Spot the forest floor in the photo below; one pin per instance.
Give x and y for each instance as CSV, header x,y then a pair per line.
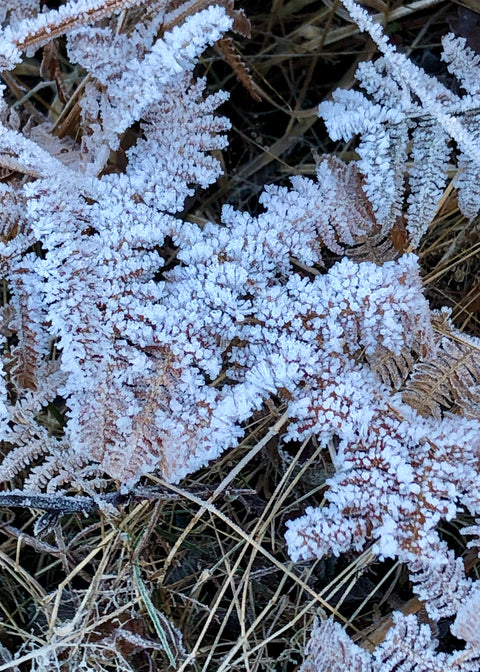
x,y
220,573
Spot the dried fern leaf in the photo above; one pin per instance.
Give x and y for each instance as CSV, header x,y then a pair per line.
x,y
348,213
392,369
376,248
229,52
449,380
26,358
29,449
50,69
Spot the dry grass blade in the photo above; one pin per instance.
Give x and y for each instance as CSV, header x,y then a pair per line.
x,y
249,541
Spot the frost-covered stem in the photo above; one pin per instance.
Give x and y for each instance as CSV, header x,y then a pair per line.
x,y
64,504
425,87
34,33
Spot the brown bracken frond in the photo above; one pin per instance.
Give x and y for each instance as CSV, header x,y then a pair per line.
x,y
228,50
449,379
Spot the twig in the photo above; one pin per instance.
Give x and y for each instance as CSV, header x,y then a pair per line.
x,y
81,504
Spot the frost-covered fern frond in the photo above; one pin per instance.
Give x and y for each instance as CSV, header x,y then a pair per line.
x,y
405,116
408,647
70,320
466,624
16,10
34,32
407,458
444,589
330,649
